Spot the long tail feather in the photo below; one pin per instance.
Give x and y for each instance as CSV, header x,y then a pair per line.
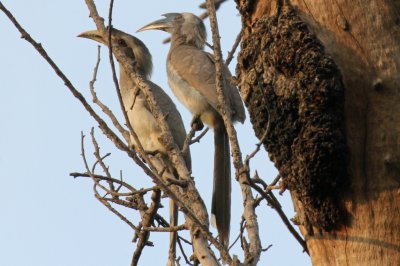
x,y
221,199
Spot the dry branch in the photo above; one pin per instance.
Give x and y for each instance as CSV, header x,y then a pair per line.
x,y
103,107
147,219
253,256
233,50
273,202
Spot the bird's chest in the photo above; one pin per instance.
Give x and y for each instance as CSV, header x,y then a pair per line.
x,y
191,98
142,121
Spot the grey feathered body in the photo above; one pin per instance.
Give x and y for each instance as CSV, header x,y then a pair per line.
x,y
191,76
143,121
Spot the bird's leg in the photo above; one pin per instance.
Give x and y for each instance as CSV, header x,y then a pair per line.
x,y
196,123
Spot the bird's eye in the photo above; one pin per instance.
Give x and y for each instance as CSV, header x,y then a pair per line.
x,y
121,42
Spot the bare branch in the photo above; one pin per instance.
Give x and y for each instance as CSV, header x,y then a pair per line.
x,y
258,145
234,242
113,210
135,202
103,166
267,248
199,137
165,229
120,182
185,240
114,75
97,195
103,107
270,198
183,251
147,220
233,50
188,139
249,213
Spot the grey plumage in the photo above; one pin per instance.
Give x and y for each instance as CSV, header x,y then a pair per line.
x,y
191,76
139,111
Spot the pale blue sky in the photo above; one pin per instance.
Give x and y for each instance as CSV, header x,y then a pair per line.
x,y
48,218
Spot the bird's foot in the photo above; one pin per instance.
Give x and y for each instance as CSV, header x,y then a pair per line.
x,y
196,123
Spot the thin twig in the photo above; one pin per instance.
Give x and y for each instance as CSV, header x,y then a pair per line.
x,y
257,179
234,242
267,248
147,220
188,139
103,107
100,160
97,195
185,240
276,206
112,191
194,127
83,153
243,243
258,145
131,204
231,53
161,221
267,188
200,136
165,229
120,182
183,251
113,210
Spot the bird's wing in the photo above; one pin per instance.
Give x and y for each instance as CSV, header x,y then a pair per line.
x,y
174,119
197,68
234,98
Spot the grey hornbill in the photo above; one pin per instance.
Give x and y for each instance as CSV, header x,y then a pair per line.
x,y
139,113
191,76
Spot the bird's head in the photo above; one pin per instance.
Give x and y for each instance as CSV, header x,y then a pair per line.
x,y
185,28
133,48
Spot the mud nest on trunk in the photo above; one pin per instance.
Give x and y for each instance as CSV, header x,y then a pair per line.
x,y
288,81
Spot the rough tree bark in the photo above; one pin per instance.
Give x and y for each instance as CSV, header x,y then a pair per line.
x,y
340,58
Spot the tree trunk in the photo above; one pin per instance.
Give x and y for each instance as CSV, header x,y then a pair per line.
x,y
354,219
